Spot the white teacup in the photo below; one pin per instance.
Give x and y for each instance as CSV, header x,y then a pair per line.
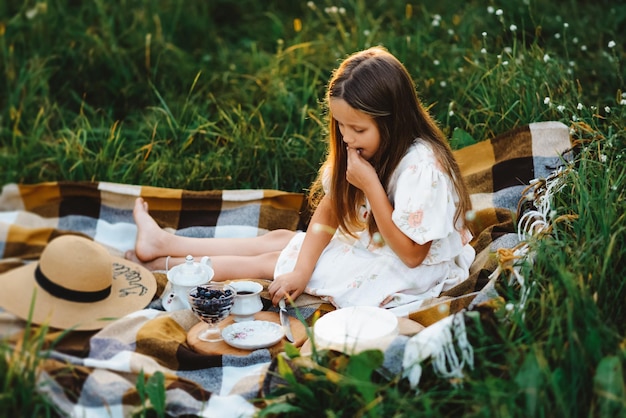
x,y
247,301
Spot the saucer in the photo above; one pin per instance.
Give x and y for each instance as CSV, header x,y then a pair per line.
x,y
251,335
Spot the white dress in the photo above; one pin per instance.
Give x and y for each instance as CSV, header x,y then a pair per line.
x,y
352,272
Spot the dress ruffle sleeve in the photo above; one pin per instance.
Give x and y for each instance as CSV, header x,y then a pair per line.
x,y
423,202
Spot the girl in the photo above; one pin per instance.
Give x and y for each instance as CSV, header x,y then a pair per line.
x,y
388,226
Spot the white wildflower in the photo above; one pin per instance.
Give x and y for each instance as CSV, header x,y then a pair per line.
x,y
607,109
575,39
499,12
565,25
560,108
513,28
557,36
572,63
622,102
310,5
451,113
436,62
490,10
483,51
611,44
583,47
40,7
450,32
508,49
580,106
505,63
366,32
484,34
546,58
342,10
443,83
603,158
546,100
509,306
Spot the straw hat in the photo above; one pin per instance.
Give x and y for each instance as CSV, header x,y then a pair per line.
x,y
76,284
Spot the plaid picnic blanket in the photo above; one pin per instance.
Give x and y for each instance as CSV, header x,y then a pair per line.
x,y
106,364
32,215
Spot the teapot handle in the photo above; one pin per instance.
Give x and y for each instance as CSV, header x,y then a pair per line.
x,y
206,261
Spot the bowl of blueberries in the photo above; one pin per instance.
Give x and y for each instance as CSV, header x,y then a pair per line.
x,y
212,303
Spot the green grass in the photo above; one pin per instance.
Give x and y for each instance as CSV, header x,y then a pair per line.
x,y
205,95
220,94
20,363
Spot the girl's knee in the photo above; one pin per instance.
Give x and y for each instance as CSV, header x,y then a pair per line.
x,y
266,264
280,235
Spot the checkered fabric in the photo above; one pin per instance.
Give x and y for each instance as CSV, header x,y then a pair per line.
x,y
32,215
497,171
105,364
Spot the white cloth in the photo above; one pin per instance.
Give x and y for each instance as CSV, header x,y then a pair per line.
x,y
352,272
446,343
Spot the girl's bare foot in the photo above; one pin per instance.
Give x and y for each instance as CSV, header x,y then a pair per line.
x,y
150,236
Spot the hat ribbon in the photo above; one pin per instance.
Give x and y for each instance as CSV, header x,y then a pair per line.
x,y
68,294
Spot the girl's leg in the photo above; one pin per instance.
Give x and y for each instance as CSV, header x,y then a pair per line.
x,y
260,266
226,267
153,242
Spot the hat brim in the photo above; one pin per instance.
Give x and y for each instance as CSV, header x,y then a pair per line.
x,y
132,289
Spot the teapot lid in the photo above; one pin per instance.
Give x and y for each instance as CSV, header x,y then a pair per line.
x,y
190,273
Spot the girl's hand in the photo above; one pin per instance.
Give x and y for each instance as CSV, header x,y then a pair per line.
x,y
360,172
289,285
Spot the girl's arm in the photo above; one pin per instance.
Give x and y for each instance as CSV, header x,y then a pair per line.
x,y
411,253
361,174
321,229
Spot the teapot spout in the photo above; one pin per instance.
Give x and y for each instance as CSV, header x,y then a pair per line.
x,y
174,302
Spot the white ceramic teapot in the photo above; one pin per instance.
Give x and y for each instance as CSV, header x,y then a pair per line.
x,y
181,279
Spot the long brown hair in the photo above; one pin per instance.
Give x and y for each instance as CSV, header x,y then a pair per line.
x,y
374,82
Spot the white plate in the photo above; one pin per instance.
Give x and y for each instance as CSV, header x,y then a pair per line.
x,y
250,335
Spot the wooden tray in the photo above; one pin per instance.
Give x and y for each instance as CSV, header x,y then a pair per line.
x,y
221,347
